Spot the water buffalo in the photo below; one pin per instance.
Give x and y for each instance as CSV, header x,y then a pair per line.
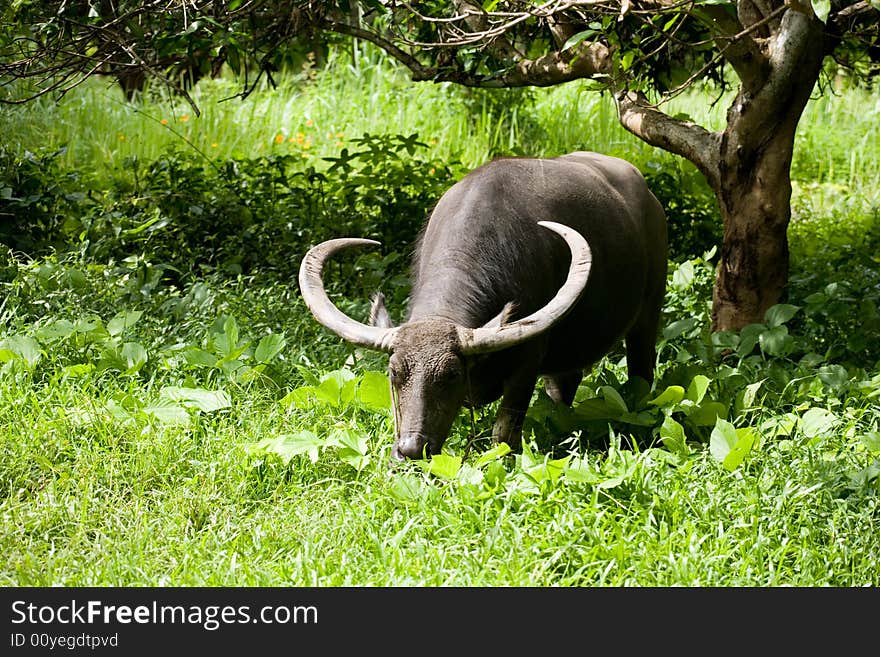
x,y
526,268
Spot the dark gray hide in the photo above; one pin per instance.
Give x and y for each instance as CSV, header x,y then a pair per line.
x,y
483,261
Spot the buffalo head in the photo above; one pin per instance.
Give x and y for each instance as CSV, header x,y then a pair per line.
x,y
429,358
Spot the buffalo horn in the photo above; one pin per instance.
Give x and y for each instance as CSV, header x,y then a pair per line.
x,y
487,339
311,286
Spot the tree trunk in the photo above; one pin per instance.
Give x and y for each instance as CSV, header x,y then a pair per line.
x,y
753,185
755,201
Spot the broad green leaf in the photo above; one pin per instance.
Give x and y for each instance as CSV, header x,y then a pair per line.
x,y
673,437
78,370
669,397
871,440
269,347
641,418
374,391
24,347
134,355
722,440
833,376
817,422
199,357
776,341
675,329
821,9
575,39
123,320
407,488
444,466
292,444
596,409
496,473
613,399
56,330
781,425
468,474
168,414
748,338
199,398
750,393
493,454
683,276
705,414
779,314
730,445
698,387
745,440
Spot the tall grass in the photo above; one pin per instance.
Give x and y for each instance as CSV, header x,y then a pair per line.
x,y
315,113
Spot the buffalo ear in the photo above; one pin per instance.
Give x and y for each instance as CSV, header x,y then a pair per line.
x,y
378,313
503,317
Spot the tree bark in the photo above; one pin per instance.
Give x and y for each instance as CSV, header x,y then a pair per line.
x,y
755,203
753,185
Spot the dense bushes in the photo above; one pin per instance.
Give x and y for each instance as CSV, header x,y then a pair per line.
x,y
189,212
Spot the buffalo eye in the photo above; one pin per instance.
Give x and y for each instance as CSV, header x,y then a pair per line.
x,y
394,373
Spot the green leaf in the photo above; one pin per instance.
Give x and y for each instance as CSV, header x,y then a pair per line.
x,y
750,393
748,338
730,445
199,398
23,347
292,444
673,437
613,399
199,357
493,454
374,391
817,422
168,414
821,8
779,314
269,347
596,409
354,447
56,330
776,341
78,370
444,466
581,470
871,440
575,39
722,440
698,387
675,329
122,321
134,355
706,413
683,277
669,397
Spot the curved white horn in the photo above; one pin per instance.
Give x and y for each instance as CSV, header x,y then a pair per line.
x,y
311,286
483,340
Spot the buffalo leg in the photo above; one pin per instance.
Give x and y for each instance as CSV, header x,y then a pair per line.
x,y
641,346
562,387
514,404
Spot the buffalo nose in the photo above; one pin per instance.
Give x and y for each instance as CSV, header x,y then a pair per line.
x,y
411,446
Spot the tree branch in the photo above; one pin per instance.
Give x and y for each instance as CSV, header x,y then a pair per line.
x,y
684,138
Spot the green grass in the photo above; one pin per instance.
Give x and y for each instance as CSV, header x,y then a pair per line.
x,y
106,479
